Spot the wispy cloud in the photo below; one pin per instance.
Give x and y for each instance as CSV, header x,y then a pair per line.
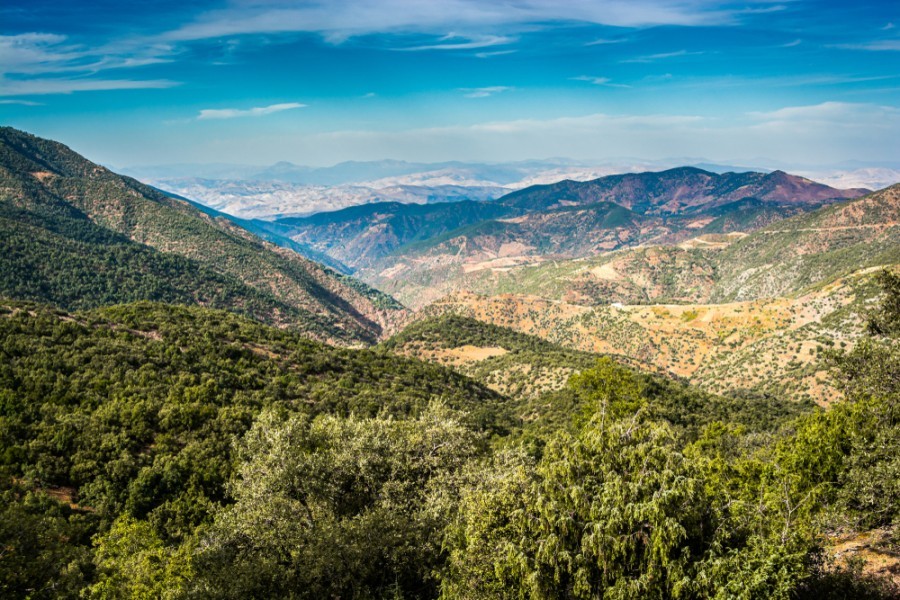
x,y
792,44
338,20
47,63
484,92
449,42
847,114
21,102
29,87
494,53
604,81
605,41
649,58
259,111
875,46
719,82
38,53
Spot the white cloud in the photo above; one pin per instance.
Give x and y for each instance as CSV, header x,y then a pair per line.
x,y
484,92
839,114
21,102
338,20
29,87
604,81
259,111
605,41
875,46
46,63
494,53
448,42
43,53
649,58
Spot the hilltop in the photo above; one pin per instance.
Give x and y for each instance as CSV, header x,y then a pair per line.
x,y
78,235
679,191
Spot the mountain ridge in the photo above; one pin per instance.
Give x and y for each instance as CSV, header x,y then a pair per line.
x,y
46,182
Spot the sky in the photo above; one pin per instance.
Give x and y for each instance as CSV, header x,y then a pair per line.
x,y
319,82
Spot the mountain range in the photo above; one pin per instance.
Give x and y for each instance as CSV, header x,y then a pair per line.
x,y
285,189
681,325
640,266
420,252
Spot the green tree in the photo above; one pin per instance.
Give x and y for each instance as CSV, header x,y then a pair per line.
x,y
132,562
333,507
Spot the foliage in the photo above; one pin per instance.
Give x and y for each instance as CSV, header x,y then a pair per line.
x,y
335,508
161,451
133,562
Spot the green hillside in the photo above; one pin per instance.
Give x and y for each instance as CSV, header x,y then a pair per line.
x,y
86,216
807,250
536,375
155,451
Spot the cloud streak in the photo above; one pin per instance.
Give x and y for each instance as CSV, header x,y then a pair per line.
x,y
36,87
235,113
339,20
472,43
485,92
874,46
650,58
603,81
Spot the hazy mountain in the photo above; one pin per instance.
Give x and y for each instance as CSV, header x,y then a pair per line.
x,y
397,252
78,235
358,234
787,257
678,191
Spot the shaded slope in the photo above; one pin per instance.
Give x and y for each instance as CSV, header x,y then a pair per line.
x,y
360,235
45,179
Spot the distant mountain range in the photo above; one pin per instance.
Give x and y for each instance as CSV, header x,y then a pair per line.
x,y
420,252
286,189
76,235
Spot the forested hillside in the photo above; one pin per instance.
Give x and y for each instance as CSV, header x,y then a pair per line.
x,y
78,235
158,451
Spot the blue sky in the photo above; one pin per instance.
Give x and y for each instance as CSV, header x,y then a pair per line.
x,y
318,82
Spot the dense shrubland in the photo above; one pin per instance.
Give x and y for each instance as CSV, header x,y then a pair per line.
x,y
150,451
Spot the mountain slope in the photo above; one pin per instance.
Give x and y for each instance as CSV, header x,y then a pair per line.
x,y
677,191
88,211
785,257
796,253
362,234
768,346
507,361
